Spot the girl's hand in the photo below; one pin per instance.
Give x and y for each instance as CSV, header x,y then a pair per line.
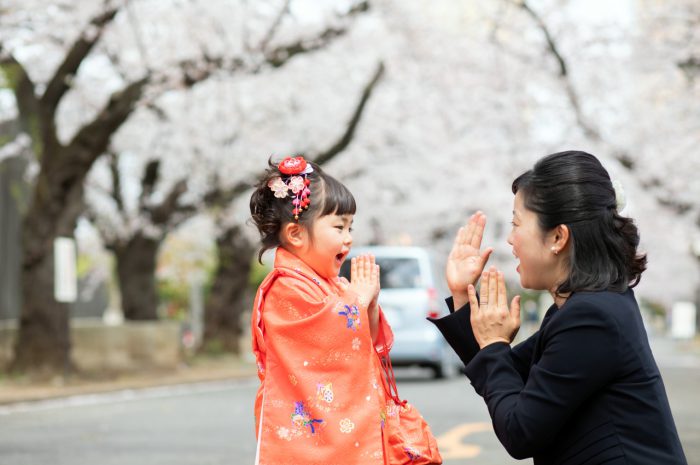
x,y
465,263
364,278
491,319
364,281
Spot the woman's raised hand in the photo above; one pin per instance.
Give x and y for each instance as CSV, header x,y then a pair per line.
x,y
465,262
491,319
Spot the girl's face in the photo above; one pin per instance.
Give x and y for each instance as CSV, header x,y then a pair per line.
x,y
329,244
538,266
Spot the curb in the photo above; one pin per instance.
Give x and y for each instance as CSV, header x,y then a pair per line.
x,y
12,392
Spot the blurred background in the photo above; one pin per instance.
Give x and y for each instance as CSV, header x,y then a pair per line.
x,y
132,130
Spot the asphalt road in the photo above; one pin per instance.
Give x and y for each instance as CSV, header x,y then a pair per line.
x,y
212,424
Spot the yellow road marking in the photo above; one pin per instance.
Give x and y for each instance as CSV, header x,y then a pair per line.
x,y
451,445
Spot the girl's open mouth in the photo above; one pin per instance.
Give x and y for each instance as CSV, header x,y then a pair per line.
x,y
340,257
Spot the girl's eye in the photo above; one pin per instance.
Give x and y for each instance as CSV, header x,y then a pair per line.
x,y
350,230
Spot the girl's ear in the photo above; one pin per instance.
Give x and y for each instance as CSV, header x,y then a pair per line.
x,y
294,235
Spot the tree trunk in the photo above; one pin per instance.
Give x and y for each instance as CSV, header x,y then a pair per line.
x,y
136,269
43,342
43,330
14,195
229,298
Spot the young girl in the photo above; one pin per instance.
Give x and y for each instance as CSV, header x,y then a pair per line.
x,y
317,338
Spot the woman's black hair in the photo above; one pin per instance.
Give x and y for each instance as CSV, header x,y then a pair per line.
x,y
573,189
270,213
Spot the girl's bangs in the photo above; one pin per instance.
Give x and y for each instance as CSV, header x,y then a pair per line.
x,y
338,200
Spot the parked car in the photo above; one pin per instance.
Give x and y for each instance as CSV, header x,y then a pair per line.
x,y
409,293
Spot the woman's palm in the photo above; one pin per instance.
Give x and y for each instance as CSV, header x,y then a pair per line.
x,y
465,262
464,266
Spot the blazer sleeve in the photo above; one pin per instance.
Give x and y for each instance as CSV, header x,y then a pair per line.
x,y
457,331
580,356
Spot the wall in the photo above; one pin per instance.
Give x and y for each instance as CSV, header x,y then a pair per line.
x,y
100,348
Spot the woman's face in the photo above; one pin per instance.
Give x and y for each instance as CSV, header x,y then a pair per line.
x,y
538,266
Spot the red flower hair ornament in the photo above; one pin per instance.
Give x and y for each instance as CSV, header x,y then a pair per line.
x,y
294,171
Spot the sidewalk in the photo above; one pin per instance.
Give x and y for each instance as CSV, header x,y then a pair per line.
x,y
196,371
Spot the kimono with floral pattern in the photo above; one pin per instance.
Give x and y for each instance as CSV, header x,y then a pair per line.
x,y
321,400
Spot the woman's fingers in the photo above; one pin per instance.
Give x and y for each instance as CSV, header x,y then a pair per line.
x,y
493,287
473,302
484,288
461,234
478,233
502,297
485,256
491,319
515,308
466,240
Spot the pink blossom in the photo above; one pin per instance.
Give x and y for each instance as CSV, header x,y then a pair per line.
x,y
296,184
278,187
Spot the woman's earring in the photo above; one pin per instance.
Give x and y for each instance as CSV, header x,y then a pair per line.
x,y
556,252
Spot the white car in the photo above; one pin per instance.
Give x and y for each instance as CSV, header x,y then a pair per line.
x,y
409,294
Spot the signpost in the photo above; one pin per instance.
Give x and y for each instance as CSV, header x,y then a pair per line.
x,y
65,270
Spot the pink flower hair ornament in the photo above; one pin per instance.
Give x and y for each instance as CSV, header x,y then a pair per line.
x,y
293,179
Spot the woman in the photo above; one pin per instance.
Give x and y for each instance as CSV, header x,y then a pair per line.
x,y
584,389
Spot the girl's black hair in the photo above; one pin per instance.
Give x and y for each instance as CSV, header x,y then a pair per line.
x,y
270,213
573,189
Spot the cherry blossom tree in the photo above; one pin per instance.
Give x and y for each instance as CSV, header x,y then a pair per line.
x,y
124,36
135,236
56,202
471,95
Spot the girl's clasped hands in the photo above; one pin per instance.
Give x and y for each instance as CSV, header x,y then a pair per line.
x,y
364,281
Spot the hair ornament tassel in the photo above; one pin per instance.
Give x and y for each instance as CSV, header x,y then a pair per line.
x,y
293,179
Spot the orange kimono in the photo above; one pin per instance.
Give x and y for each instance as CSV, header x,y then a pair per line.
x,y
321,400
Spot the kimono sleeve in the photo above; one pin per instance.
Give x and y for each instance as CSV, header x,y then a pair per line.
x,y
385,341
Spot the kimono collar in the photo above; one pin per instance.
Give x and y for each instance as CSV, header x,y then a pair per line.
x,y
286,259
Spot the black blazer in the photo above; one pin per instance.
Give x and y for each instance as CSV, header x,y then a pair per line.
x,y
584,389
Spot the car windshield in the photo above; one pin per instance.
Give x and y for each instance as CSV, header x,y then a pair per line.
x,y
396,272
